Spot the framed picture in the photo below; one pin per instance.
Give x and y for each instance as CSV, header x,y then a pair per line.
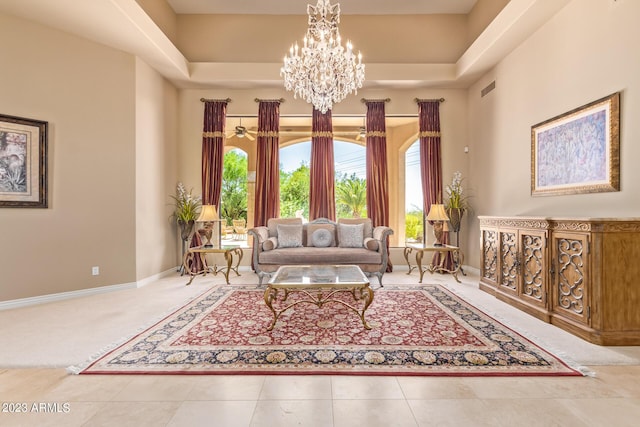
x,y
578,151
23,162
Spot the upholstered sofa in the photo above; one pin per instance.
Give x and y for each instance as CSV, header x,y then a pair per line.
x,y
289,241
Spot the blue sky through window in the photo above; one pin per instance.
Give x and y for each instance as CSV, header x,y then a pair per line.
x,y
349,157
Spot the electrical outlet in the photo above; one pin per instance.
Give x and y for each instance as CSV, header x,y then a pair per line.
x,y
95,271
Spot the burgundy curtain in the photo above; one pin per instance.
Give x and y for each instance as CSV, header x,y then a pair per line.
x,y
377,175
213,151
267,163
430,157
431,160
322,199
196,263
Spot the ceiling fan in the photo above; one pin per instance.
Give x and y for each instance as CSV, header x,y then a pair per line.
x,y
241,132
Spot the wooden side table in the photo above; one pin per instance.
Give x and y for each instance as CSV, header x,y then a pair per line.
x,y
229,253
420,249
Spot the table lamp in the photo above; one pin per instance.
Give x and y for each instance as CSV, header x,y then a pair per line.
x,y
208,215
438,215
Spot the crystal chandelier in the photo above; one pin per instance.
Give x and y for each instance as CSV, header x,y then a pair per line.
x,y
323,72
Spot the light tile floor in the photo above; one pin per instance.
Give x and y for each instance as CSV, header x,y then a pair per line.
x,y
49,337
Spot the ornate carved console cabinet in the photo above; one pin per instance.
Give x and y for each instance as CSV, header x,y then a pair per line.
x,y
582,275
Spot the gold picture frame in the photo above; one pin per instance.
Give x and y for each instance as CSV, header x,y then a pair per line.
x,y
579,151
23,162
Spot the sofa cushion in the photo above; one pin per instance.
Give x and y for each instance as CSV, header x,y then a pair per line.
x,y
312,228
321,238
368,227
289,235
371,244
270,244
311,255
272,224
350,235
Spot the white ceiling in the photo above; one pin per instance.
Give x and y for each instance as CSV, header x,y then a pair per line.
x,y
298,7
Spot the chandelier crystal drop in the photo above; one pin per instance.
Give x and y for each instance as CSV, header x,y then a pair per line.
x,y
323,72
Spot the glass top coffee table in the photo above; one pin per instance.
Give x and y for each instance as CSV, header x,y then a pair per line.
x,y
319,285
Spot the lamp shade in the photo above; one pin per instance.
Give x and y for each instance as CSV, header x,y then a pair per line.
x,y
208,213
437,213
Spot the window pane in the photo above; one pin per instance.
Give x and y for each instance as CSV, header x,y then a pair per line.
x,y
294,180
351,187
414,218
233,205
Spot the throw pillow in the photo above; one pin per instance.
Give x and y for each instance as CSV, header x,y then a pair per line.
x,y
311,228
350,236
270,244
321,238
289,236
371,244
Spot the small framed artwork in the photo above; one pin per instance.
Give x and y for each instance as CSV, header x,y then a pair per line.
x,y
578,151
23,162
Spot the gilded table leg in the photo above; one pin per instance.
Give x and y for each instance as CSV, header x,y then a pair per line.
x,y
237,252
270,295
368,299
407,252
228,256
458,259
185,265
419,255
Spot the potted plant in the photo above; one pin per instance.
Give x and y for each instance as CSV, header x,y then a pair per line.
x,y
187,209
457,203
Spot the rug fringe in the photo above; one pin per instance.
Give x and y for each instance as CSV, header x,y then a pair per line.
x,y
77,369
530,336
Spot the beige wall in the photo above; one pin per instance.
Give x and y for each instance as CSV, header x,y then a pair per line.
x,y
163,15
483,12
587,51
156,172
381,39
86,93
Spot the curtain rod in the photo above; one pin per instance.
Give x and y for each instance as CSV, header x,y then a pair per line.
x,y
364,100
281,100
205,100
426,100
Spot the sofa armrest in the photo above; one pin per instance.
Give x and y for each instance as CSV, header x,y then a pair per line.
x,y
260,235
381,233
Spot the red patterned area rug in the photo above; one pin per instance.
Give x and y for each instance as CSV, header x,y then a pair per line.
x,y
415,330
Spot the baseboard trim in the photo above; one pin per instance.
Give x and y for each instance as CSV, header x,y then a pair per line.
x,y
147,280
43,299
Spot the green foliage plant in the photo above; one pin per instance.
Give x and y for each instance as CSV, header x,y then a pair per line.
x,y
294,191
351,197
187,206
414,227
234,186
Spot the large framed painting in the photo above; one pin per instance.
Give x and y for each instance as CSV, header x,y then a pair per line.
x,y
23,162
578,151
